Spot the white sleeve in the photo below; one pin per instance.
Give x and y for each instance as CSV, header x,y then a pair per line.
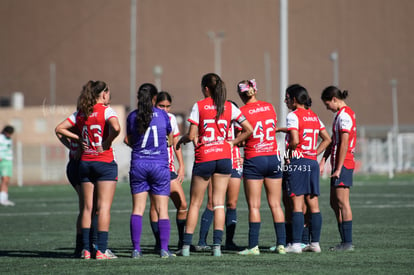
x,y
109,112
345,122
174,125
292,121
72,118
321,126
195,115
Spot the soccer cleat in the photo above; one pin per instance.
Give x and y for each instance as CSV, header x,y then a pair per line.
x,y
231,246
7,203
342,247
184,251
166,254
85,254
108,255
216,251
202,248
280,249
136,254
252,251
294,248
313,247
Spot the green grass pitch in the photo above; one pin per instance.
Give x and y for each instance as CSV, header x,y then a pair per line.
x,y
37,236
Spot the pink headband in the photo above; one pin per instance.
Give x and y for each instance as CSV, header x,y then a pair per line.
x,y
244,87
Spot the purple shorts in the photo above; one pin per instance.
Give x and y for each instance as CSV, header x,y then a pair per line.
x,y
150,176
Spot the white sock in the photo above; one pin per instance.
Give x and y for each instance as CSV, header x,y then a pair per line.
x,y
4,196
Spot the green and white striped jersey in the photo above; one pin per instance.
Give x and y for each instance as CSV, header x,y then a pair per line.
x,y
6,148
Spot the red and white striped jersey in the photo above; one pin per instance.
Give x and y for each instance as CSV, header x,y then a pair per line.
x,y
344,122
94,130
212,133
308,125
262,117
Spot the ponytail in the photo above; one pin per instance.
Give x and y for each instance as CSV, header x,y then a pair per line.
x,y
146,93
217,90
331,91
89,95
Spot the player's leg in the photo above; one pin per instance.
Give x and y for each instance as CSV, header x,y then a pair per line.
x,y
178,197
154,224
138,207
233,191
206,221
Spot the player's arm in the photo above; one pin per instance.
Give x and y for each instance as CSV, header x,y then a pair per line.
x,y
326,140
192,135
246,131
114,130
180,159
62,130
343,149
325,157
283,130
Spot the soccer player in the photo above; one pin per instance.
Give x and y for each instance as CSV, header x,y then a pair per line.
x,y
261,166
210,120
232,197
98,126
304,128
341,151
6,164
177,195
147,131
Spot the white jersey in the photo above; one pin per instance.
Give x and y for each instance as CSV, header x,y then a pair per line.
x,y
6,148
176,133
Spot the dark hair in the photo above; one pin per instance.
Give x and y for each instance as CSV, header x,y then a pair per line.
x,y
163,95
217,90
8,130
146,93
332,91
300,94
89,95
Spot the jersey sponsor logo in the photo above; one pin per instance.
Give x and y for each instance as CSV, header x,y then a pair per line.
x,y
264,147
259,110
209,107
310,118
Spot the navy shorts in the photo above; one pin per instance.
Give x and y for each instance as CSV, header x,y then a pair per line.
x,y
150,176
72,172
173,175
345,179
285,180
303,177
93,171
207,169
236,173
261,167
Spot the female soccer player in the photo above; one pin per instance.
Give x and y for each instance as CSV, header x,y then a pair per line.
x,y
232,197
304,129
210,121
261,165
177,195
98,126
342,161
6,164
147,131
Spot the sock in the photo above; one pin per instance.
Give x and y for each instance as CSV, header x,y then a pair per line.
x,y
298,221
85,238
288,228
254,230
341,231
102,241
315,230
188,239
280,231
4,196
93,234
305,234
347,230
79,242
180,229
165,229
217,237
136,229
156,232
206,220
231,221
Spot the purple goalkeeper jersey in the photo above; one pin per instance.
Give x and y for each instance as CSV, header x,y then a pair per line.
x,y
152,145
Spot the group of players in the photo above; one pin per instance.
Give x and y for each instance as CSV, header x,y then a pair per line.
x,y
219,130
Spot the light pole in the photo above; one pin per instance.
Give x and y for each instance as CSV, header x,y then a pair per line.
x,y
334,58
133,55
394,84
217,38
157,71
